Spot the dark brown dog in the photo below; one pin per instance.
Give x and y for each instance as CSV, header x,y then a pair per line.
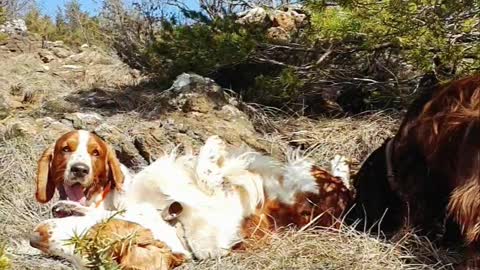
x,y
429,174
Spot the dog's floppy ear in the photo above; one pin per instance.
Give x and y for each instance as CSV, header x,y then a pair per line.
x,y
115,172
172,211
45,185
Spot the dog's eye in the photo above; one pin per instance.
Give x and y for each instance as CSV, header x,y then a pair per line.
x,y
66,149
95,153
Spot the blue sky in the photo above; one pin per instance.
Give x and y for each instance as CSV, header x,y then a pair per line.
x,y
49,7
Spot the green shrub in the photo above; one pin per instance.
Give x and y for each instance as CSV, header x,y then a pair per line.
x,y
200,48
417,29
334,23
276,90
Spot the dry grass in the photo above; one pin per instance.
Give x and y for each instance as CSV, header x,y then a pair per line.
x,y
18,210
26,82
27,72
322,138
345,248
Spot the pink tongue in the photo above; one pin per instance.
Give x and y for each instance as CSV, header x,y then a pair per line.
x,y
75,193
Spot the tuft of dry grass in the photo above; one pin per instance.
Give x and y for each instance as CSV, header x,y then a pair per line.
x,y
321,139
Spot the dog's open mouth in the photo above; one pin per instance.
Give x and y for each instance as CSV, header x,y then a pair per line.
x,y
76,193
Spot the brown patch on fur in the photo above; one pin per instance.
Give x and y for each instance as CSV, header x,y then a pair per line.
x,y
105,166
142,252
40,238
464,206
45,186
256,230
324,209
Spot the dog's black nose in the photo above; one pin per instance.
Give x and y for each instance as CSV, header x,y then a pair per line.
x,y
79,169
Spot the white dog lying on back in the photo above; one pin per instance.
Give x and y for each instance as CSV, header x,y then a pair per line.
x,y
216,199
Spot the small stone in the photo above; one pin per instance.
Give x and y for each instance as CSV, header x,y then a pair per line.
x,y
46,56
84,120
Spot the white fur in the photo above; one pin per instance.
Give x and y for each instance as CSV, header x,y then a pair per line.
x,y
209,173
80,155
212,219
340,168
297,178
117,199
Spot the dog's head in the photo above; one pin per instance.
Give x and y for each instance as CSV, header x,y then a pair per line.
x,y
81,165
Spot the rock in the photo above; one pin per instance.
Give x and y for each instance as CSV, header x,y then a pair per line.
x,y
46,56
61,52
278,34
191,92
53,44
19,128
17,43
124,148
89,57
16,26
84,120
52,128
187,82
135,73
73,67
256,15
60,106
197,109
281,24
96,98
84,47
151,143
284,20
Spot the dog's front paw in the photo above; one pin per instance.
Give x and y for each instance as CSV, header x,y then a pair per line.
x,y
339,167
68,208
209,164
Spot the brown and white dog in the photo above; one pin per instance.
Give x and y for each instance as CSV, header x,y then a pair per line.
x,y
216,199
429,174
83,168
